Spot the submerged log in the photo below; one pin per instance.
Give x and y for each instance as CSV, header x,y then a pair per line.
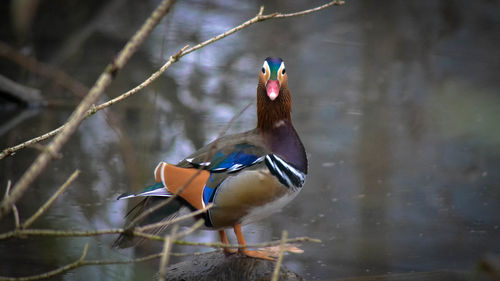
x,y
216,266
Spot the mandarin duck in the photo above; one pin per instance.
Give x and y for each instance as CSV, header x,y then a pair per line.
x,y
247,176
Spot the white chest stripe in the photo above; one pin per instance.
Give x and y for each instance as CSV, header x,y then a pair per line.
x,y
284,172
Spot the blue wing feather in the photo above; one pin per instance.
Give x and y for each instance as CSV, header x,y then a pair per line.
x,y
235,158
208,194
231,162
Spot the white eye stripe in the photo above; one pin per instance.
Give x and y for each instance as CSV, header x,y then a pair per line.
x,y
267,70
266,66
280,70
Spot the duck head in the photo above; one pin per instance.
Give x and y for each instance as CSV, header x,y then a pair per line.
x,y
273,76
273,95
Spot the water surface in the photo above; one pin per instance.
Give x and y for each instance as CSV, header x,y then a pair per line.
x,y
397,106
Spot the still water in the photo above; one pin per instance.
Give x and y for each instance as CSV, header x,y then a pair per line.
x,y
397,104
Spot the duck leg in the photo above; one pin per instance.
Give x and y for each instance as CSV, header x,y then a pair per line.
x,y
245,251
224,240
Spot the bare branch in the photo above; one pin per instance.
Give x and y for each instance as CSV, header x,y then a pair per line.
x,y
19,233
51,200
167,246
190,230
15,212
13,149
174,58
305,12
276,272
80,112
7,190
257,18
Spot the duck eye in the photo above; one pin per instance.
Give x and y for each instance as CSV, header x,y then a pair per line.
x,y
263,70
283,72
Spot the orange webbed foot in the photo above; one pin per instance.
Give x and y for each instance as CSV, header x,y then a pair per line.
x,y
244,251
255,254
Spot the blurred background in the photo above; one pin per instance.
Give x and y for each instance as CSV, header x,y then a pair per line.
x,y
397,103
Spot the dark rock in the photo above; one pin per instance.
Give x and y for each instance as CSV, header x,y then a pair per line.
x,y
216,266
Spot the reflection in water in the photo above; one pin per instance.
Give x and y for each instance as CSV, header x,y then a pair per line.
x,y
374,154
397,106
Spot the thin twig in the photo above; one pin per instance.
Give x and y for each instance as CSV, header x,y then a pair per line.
x,y
276,272
51,200
191,229
19,233
305,12
80,112
149,236
43,148
13,149
257,18
15,212
167,246
51,273
174,58
169,222
7,189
